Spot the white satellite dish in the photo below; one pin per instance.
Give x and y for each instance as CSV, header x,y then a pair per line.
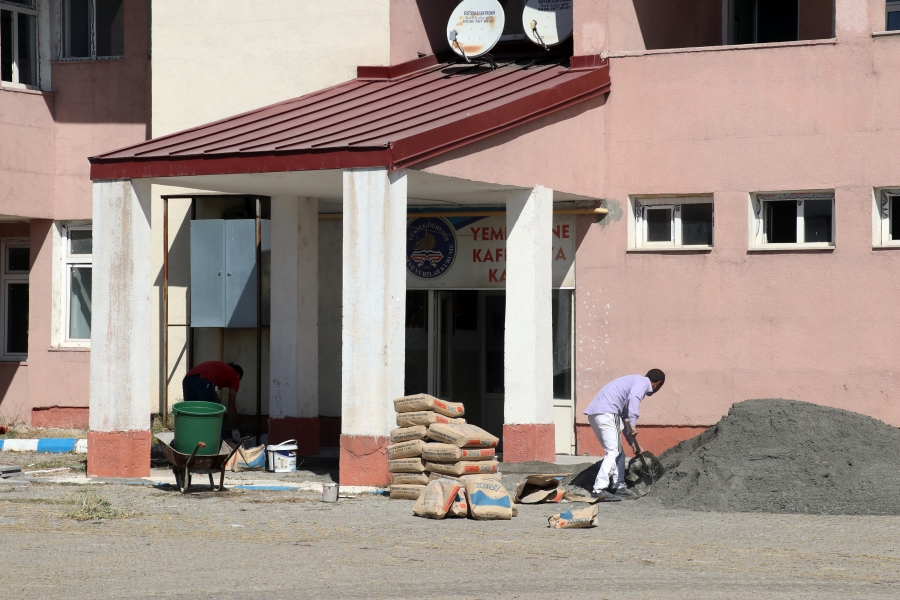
x,y
547,22
475,27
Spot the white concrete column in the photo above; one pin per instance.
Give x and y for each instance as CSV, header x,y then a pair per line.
x,y
374,307
528,432
294,333
121,374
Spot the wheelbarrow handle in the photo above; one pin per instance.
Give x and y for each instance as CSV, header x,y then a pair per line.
x,y
187,467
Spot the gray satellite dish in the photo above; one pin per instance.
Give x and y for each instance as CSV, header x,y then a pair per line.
x,y
475,27
547,22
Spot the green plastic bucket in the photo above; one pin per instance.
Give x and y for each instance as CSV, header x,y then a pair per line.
x,y
198,422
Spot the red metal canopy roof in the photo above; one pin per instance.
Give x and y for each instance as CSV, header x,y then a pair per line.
x,y
388,117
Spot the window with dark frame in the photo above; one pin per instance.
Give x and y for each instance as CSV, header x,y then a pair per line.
x,y
892,16
93,29
15,293
18,42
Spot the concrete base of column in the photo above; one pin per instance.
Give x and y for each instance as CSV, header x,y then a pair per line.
x,y
118,454
364,460
304,430
529,442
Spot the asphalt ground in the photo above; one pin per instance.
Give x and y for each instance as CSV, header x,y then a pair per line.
x,y
253,544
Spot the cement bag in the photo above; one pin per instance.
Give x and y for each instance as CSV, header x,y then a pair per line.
x,y
424,417
581,518
463,467
537,489
406,492
407,434
449,453
494,476
409,478
249,459
405,449
406,465
433,476
437,498
460,506
488,499
426,402
461,436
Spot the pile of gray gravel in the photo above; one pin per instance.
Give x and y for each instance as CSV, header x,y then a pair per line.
x,y
784,456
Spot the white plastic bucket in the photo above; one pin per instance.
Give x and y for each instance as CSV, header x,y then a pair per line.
x,y
330,492
282,458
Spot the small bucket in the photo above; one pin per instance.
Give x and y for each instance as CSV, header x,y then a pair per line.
x,y
282,458
330,492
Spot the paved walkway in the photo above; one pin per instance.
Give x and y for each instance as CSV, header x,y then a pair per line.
x,y
251,544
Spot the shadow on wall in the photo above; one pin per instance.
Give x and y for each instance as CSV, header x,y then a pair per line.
x,y
679,23
435,14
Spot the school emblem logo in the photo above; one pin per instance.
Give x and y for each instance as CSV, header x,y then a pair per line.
x,y
430,247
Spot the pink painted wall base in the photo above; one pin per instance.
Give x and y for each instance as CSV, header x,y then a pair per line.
x,y
305,431
118,454
653,438
60,417
364,460
529,442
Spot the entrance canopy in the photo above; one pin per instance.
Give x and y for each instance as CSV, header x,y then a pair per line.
x,y
390,117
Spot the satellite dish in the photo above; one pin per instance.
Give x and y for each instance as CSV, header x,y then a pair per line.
x,y
475,26
547,22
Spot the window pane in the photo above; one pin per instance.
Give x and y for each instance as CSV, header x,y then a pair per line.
x,y
659,224
28,3
81,241
18,260
27,49
893,21
697,224
416,376
817,220
17,318
562,344
78,32
776,21
80,304
781,222
110,28
895,217
6,47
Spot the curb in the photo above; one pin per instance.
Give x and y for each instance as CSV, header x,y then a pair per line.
x,y
49,445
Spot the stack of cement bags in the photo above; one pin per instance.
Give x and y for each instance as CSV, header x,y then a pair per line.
x,y
454,448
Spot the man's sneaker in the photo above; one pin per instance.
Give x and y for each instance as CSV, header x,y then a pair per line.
x,y
605,496
624,493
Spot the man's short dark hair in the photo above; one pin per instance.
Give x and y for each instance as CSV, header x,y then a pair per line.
x,y
655,375
240,371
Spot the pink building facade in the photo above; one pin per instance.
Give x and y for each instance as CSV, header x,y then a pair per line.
x,y
72,84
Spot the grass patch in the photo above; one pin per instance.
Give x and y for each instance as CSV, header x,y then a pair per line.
x,y
90,506
27,433
72,461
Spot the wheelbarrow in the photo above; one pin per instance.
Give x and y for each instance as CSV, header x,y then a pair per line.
x,y
184,465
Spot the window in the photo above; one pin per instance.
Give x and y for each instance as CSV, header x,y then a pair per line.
x,y
18,42
892,18
14,298
673,223
763,21
793,219
93,28
77,257
887,231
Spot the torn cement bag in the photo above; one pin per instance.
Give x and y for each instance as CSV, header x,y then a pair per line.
x,y
426,402
488,499
247,459
437,498
438,452
409,478
461,436
406,492
407,434
537,489
405,449
425,417
406,465
460,506
463,467
574,519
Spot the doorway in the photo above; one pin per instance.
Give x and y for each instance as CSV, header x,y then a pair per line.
x,y
455,351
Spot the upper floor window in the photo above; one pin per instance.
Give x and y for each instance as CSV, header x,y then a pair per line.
x,y
677,223
893,15
18,42
93,28
14,299
793,219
